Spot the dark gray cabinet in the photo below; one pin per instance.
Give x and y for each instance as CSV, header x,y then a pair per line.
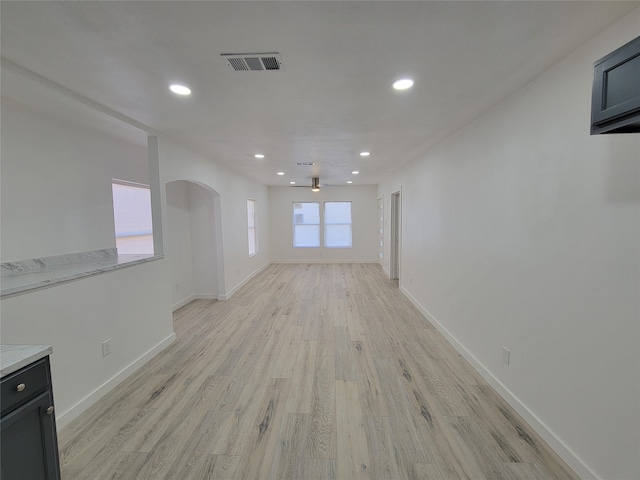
x,y
29,446
615,100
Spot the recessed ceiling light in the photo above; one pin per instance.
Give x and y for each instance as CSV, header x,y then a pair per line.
x,y
259,155
364,154
355,172
280,173
179,89
292,183
349,181
403,83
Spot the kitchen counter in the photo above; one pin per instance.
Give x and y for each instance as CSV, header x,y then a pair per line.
x,y
14,357
25,275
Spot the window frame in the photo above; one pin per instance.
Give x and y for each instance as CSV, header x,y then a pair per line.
x,y
127,183
328,224
294,224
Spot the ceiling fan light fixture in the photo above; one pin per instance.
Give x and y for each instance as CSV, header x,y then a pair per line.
x,y
315,184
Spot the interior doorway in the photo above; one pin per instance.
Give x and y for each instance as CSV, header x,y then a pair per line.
x,y
394,260
194,242
380,230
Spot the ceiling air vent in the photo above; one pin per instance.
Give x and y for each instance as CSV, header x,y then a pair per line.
x,y
306,164
254,62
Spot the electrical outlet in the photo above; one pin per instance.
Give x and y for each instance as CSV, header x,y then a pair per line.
x,y
106,348
506,355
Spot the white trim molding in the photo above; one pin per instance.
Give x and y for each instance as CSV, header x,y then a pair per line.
x,y
65,418
571,459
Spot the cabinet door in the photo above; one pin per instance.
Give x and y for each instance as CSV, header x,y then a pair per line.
x,y
29,442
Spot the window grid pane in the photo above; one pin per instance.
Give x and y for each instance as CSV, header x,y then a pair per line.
x,y
337,225
251,227
306,224
337,236
132,218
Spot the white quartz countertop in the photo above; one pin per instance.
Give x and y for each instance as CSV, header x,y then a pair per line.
x,y
32,274
14,357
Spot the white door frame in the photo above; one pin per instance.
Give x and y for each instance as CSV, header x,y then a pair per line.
x,y
381,231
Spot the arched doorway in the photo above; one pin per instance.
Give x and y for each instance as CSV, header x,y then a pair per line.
x,y
194,237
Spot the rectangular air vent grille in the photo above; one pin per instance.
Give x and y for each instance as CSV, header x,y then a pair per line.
x,y
306,164
253,62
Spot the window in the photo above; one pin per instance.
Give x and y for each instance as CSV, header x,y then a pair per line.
x,y
337,224
251,221
132,217
306,224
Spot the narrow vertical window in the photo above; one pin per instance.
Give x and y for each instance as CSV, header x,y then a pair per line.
x,y
251,222
306,224
337,224
132,217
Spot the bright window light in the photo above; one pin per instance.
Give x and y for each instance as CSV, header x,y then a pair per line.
x,y
251,222
306,224
337,224
132,217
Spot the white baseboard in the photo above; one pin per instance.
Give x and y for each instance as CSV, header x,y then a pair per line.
x,y
242,283
320,262
570,458
191,298
65,418
386,272
182,303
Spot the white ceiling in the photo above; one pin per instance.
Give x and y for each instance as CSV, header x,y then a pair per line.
x,y
334,97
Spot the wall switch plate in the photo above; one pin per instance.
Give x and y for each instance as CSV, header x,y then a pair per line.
x,y
506,355
106,348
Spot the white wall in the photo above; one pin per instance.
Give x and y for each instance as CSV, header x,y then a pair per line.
x,y
203,241
192,242
56,199
178,162
364,220
130,306
178,248
56,184
523,231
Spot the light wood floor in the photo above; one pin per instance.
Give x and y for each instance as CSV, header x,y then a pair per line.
x,y
308,372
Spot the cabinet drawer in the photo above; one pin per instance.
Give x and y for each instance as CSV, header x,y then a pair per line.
x,y
24,384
